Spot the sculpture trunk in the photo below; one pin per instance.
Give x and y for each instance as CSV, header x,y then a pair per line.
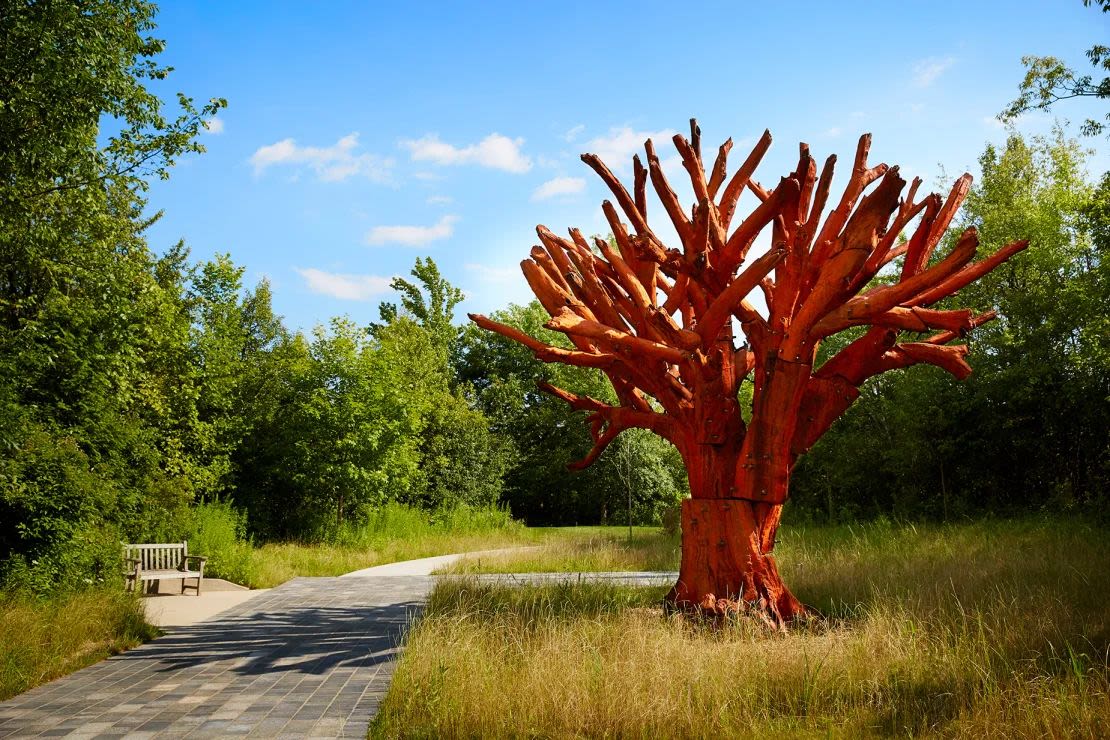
x,y
727,566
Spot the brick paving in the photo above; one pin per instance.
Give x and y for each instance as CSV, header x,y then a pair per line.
x,y
310,658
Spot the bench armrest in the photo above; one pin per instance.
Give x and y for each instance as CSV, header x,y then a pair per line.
x,y
134,563
198,558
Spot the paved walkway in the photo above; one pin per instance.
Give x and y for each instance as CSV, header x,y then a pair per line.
x,y
310,658
170,608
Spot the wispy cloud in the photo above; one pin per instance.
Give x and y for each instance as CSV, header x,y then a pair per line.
x,y
495,151
572,134
559,186
493,274
214,126
832,133
440,200
617,147
412,236
332,163
344,286
992,122
926,71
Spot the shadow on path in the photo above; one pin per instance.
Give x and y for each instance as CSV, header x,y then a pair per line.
x,y
311,657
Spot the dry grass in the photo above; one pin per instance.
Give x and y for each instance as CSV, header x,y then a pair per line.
x,y
980,630
583,549
44,638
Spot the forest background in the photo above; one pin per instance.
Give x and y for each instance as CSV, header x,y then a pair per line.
x,y
148,396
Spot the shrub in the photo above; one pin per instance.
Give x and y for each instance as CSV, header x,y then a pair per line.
x,y
219,532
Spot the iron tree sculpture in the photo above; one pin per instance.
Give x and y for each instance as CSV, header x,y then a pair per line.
x,y
661,323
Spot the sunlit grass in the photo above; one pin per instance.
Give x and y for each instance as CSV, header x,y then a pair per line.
x,y
991,629
43,638
583,549
278,562
393,533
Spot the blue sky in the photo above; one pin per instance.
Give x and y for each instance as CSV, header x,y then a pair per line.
x,y
360,136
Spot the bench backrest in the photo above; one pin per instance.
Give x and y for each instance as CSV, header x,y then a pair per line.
x,y
163,556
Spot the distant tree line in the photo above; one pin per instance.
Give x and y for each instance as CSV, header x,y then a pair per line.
x,y
1030,429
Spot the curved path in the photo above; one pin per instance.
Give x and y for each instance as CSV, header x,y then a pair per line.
x,y
310,658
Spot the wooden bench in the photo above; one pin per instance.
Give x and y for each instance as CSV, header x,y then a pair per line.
x,y
165,561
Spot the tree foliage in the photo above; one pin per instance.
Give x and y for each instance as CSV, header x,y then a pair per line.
x,y
1048,80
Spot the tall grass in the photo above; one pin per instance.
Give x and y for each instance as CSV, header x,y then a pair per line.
x,y
993,629
391,534
42,638
219,532
584,549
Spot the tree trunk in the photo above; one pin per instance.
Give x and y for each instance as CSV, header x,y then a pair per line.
x,y
727,567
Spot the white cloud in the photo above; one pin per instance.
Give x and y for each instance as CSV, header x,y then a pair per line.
x,y
548,163
572,134
214,126
675,171
345,286
493,274
440,200
559,186
832,133
616,149
495,151
331,163
928,70
412,236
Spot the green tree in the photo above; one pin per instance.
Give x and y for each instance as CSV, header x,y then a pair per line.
x,y
547,436
1030,430
431,304
231,333
1048,80
90,322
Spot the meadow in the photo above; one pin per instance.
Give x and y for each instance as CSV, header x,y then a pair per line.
x,y
982,629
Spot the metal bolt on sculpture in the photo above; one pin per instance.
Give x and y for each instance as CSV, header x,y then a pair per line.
x,y
658,322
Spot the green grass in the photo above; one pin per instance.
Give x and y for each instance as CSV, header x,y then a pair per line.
x,y
44,638
392,534
583,549
278,562
988,629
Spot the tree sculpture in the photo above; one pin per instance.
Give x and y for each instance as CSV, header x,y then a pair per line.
x,y
659,322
